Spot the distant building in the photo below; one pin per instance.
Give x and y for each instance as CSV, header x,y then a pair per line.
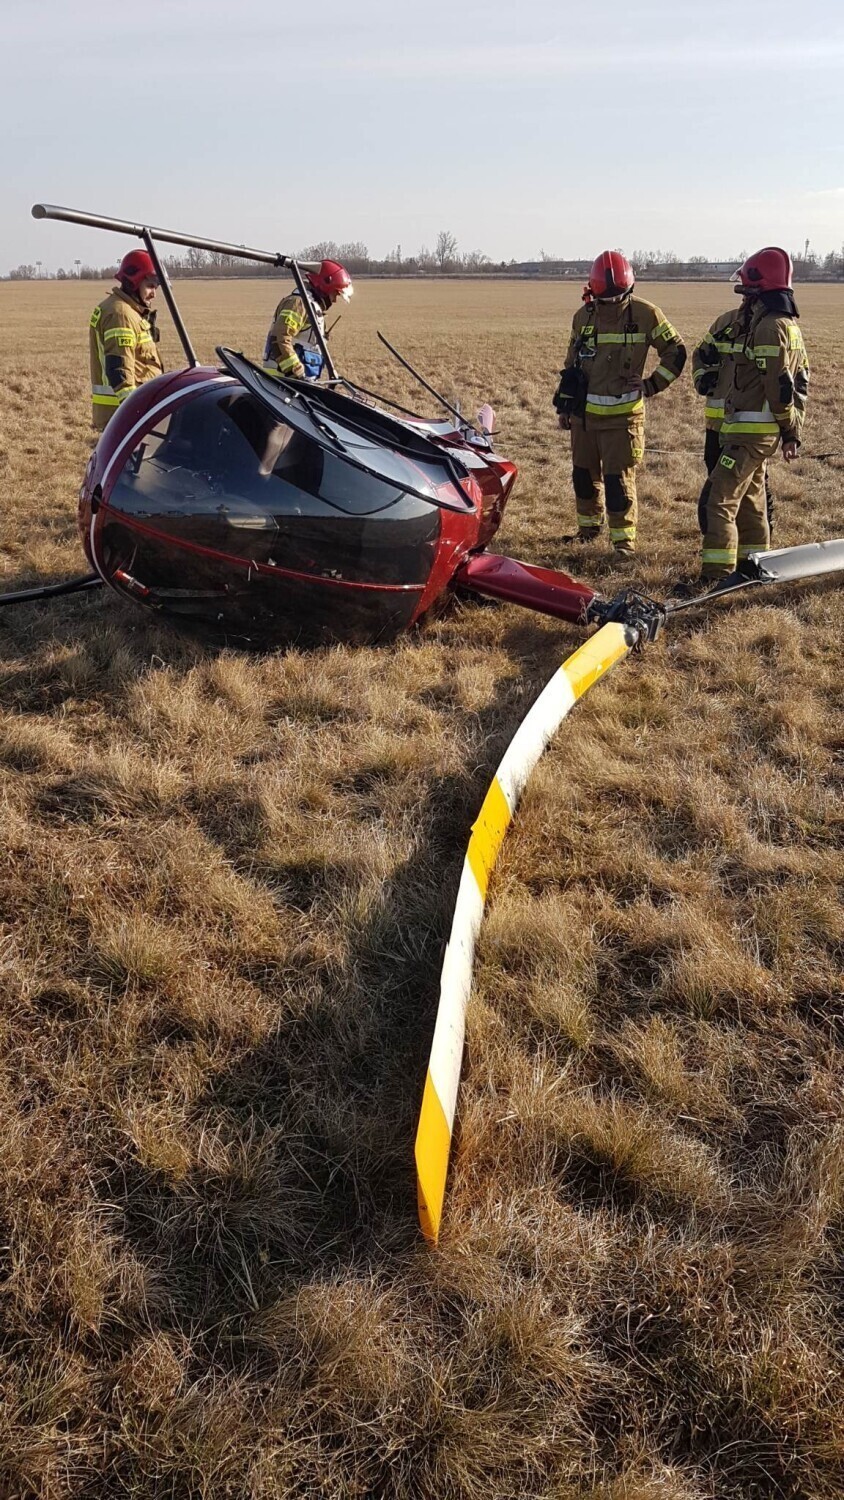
x,y
565,270
553,268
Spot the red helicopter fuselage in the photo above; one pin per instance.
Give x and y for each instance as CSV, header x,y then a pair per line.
x,y
201,501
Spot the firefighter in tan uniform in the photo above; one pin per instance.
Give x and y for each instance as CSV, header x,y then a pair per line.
x,y
711,377
124,338
764,406
602,393
291,348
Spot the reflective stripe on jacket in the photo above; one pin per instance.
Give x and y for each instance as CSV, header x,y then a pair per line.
x,y
123,353
769,381
291,325
711,365
610,342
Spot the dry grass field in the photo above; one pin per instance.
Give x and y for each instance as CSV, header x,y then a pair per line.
x,y
225,885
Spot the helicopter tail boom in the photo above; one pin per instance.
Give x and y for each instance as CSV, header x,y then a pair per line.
x,y
542,589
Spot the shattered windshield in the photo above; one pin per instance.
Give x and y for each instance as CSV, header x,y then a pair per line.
x,y
429,476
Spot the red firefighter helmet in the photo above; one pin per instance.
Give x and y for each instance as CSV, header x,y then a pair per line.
x,y
331,280
769,270
135,268
611,277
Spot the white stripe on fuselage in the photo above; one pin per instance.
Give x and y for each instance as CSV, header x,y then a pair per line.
x,y
192,390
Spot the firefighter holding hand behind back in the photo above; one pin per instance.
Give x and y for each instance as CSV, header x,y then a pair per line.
x,y
602,393
765,391
711,373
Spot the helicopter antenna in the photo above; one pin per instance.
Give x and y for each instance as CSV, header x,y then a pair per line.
x,y
455,412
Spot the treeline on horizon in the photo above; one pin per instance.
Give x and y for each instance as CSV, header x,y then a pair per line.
x,y
445,259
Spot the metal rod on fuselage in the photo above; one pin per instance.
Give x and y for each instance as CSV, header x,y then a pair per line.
x,y
217,247
170,300
312,317
168,236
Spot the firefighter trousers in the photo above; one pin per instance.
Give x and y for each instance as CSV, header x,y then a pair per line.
x,y
736,512
711,455
604,469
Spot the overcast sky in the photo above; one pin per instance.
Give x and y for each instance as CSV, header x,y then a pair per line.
x,y
705,128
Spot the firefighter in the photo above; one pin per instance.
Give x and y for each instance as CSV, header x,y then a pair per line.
x,y
291,348
602,393
764,407
711,377
124,338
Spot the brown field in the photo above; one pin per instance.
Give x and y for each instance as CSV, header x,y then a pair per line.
x,y
225,884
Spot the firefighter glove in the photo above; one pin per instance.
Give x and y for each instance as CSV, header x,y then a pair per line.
x,y
568,392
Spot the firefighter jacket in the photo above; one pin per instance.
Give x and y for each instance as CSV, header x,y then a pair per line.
x,y
123,345
711,369
291,326
609,347
768,379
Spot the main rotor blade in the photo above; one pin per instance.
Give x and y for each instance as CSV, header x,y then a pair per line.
x,y
808,561
578,673
787,565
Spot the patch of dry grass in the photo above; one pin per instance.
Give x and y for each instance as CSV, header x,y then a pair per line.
x,y
225,883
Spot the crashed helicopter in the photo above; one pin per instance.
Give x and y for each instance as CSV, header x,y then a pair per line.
x,y
269,509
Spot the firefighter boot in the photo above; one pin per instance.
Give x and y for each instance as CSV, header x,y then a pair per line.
x,y
580,537
691,588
